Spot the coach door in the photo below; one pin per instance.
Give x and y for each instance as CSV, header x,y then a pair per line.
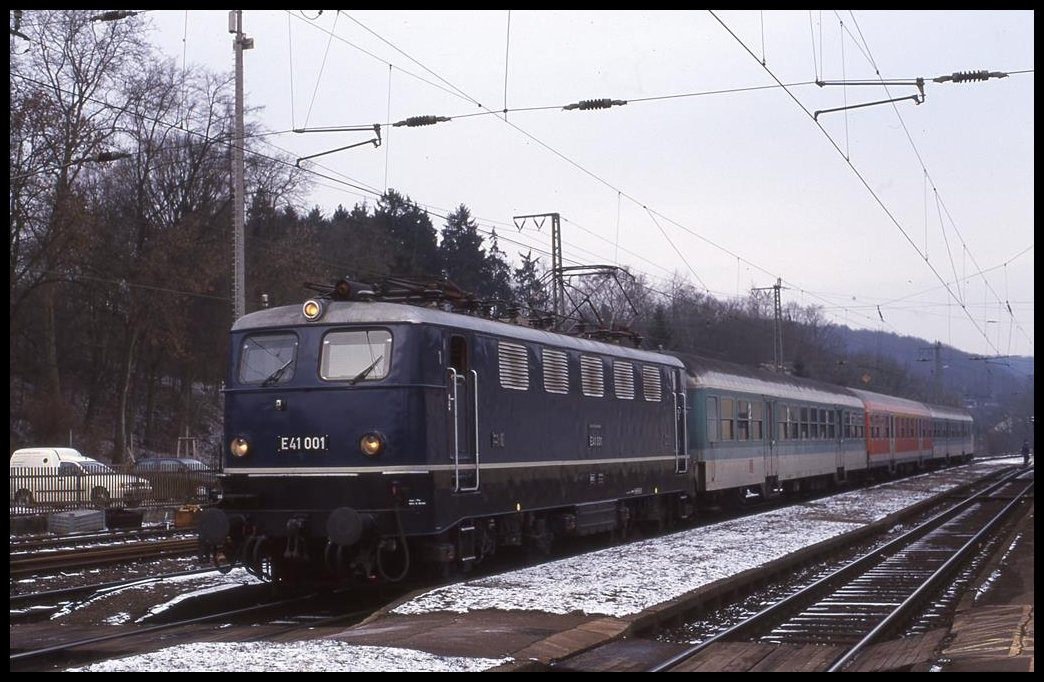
x,y
462,401
890,421
768,439
681,432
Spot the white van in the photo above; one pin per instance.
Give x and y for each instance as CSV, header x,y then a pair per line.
x,y
63,477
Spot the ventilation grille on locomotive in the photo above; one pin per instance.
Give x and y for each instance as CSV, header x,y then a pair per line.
x,y
514,366
592,383
556,371
651,386
623,380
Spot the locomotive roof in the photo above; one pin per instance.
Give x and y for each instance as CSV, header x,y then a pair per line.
x,y
374,312
718,374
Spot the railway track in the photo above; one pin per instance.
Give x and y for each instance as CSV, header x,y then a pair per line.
x,y
47,541
118,646
31,563
54,599
270,620
872,598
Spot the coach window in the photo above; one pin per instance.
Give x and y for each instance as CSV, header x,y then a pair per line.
x,y
592,380
556,371
356,355
728,414
804,423
831,424
267,359
781,419
514,366
623,380
756,419
743,420
712,419
652,387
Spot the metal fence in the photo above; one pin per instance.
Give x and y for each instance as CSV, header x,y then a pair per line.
x,y
45,489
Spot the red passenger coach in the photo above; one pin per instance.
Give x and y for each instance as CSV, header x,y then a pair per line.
x,y
898,432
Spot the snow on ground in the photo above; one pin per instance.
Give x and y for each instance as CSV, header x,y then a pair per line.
x,y
323,655
622,581
618,581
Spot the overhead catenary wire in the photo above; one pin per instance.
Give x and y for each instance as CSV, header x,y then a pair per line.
x,y
427,120
864,182
956,77
361,187
333,177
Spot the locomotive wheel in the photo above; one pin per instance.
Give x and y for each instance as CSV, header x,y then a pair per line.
x,y
540,539
217,556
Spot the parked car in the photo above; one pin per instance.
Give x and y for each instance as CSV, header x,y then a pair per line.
x,y
63,477
177,478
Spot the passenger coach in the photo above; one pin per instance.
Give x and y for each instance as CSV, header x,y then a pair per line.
x,y
898,435
755,431
951,431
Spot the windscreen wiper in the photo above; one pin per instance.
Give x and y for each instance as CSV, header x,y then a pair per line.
x,y
362,375
276,375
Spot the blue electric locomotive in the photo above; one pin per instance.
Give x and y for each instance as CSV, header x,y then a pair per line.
x,y
367,438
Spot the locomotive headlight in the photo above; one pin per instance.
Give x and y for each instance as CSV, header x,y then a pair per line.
x,y
239,447
371,444
312,309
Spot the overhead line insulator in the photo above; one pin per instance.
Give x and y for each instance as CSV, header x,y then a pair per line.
x,y
417,121
587,104
968,76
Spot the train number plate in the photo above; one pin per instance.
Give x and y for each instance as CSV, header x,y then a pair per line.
x,y
303,443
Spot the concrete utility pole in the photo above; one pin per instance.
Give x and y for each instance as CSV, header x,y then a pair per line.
x,y
239,43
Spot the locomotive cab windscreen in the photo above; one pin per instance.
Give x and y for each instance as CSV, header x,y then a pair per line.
x,y
355,355
267,359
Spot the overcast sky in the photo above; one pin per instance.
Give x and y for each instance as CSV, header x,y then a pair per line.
x,y
915,219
